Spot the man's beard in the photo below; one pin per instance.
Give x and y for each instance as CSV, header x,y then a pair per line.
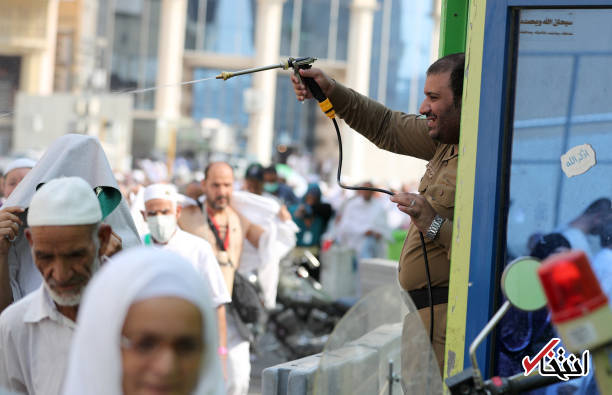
x,y
220,202
447,126
72,299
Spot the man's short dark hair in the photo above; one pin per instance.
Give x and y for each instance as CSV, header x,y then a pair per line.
x,y
270,170
455,64
548,244
254,172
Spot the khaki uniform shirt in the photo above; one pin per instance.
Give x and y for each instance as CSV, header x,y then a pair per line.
x,y
194,221
404,134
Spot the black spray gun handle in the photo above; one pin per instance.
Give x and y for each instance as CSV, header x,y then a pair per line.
x,y
311,84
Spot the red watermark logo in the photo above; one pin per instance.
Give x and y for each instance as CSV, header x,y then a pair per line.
x,y
554,362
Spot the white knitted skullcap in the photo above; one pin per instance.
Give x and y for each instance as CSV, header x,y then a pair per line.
x,y
160,191
64,201
19,164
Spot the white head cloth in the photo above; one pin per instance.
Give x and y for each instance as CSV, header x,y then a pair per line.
x,y
70,155
137,274
161,191
64,201
21,163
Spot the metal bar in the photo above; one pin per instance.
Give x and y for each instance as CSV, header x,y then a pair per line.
x,y
229,74
333,30
296,28
201,25
566,133
110,42
481,336
390,377
383,65
143,50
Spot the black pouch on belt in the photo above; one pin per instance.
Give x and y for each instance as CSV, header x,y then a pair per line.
x,y
420,297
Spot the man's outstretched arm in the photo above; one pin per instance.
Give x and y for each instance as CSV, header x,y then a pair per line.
x,y
393,131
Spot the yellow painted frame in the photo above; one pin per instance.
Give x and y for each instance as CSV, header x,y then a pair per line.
x,y
464,197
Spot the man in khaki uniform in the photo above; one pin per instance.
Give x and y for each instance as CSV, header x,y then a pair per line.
x,y
434,139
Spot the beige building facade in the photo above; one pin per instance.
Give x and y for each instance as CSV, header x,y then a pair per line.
x,y
94,46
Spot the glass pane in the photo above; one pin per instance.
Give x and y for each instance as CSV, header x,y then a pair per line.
x,y
401,45
134,60
344,15
191,24
230,27
562,101
220,101
126,48
287,29
149,61
294,122
314,35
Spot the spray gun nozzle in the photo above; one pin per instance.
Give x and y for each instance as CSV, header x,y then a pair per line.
x,y
291,62
224,75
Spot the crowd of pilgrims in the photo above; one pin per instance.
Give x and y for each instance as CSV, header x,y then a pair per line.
x,y
110,287
122,283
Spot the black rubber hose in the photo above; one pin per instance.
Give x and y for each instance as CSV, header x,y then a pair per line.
x,y
429,292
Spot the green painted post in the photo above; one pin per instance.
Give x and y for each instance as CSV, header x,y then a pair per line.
x,y
453,26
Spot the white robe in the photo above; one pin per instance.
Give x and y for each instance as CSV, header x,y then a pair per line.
x,y
358,217
34,344
200,254
278,239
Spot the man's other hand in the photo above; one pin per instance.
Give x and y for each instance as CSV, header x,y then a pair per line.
x,y
302,93
9,227
283,213
417,207
114,245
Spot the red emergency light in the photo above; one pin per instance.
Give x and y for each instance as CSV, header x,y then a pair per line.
x,y
579,309
570,286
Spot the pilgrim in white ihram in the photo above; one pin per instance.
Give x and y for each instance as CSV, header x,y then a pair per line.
x,y
36,331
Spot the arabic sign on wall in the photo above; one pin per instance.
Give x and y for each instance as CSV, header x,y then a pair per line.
x,y
548,24
578,160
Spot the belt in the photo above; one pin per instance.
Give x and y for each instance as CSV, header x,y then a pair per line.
x,y
420,297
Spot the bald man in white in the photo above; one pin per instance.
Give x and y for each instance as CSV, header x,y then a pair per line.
x,y
66,236
161,214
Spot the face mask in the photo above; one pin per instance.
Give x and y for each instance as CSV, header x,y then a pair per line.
x,y
271,187
162,227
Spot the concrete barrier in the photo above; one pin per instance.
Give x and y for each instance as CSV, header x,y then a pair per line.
x,y
338,273
374,272
294,377
359,367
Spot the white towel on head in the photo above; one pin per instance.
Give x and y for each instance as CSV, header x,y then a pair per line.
x,y
72,155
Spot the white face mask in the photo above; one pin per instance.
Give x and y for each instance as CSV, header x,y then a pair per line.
x,y
162,227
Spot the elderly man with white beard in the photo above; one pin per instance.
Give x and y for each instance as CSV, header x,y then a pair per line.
x,y
66,236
